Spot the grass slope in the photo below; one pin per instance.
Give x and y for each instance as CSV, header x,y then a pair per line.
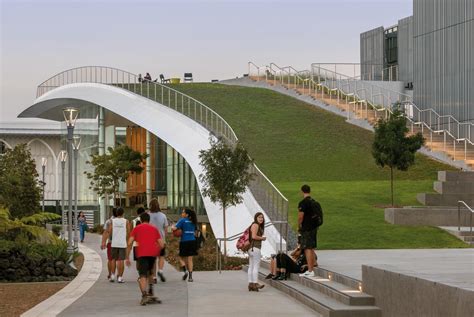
x,y
295,143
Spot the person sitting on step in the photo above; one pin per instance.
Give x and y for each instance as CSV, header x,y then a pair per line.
x,y
282,264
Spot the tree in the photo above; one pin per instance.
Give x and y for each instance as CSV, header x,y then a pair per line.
x,y
392,147
226,175
19,188
112,168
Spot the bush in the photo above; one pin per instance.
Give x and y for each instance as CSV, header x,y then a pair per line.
x,y
206,258
57,230
98,228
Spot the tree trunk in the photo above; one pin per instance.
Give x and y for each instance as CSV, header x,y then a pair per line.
x,y
225,236
391,183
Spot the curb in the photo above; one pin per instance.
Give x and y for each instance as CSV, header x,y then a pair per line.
x,y
88,275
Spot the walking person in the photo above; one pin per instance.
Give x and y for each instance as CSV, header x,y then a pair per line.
x,y
256,237
107,242
135,222
120,229
83,227
310,217
187,246
158,219
149,243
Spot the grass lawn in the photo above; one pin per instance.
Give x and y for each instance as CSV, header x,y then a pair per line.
x,y
293,143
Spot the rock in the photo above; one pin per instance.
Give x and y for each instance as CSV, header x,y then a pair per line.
x,y
60,264
36,271
50,270
68,271
59,271
4,264
10,274
14,262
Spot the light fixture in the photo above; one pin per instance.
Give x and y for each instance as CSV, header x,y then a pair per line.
x,y
76,142
360,287
70,116
204,229
330,276
44,161
63,156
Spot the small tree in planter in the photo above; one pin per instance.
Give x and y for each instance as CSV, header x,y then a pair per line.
x,y
226,175
112,168
19,188
392,147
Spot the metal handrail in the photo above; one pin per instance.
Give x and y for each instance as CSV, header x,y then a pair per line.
x,y
237,236
460,202
326,79
264,191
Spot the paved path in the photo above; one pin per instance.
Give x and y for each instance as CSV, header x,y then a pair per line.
x,y
211,294
453,267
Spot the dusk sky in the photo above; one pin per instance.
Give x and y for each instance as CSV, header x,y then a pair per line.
x,y
211,39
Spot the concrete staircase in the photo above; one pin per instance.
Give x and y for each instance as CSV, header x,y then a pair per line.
x,y
451,187
435,142
465,234
330,294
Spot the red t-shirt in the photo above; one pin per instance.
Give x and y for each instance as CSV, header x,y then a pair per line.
x,y
146,237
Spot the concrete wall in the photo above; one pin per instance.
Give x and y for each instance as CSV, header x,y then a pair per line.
x,y
409,296
426,216
444,56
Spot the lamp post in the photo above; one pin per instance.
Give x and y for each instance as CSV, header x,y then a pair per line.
x,y
75,144
63,158
44,161
70,116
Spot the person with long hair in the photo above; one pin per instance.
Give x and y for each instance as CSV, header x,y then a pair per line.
x,y
256,237
82,221
187,246
159,220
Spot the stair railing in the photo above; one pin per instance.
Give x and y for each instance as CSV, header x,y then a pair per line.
x,y
379,99
265,193
471,211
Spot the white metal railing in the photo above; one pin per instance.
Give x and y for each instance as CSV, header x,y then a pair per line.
x,y
264,191
364,97
471,211
236,236
371,72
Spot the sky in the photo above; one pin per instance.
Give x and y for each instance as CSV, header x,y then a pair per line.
x,y
211,39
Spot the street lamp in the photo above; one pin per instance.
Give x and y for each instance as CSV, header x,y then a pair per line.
x,y
44,161
63,158
70,116
76,143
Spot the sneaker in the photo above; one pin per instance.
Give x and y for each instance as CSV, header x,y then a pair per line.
x,y
112,278
307,274
190,279
120,279
269,276
161,276
144,300
281,278
185,276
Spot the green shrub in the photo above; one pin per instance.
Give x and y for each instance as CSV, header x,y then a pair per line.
x,y
57,230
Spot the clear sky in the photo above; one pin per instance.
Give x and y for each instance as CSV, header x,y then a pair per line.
x,y
211,39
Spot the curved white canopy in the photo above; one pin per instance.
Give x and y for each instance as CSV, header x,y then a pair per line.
x,y
182,133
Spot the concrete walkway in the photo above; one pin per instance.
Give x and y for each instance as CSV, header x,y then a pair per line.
x,y
454,267
211,294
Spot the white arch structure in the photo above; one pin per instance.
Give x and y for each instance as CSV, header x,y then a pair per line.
x,y
182,133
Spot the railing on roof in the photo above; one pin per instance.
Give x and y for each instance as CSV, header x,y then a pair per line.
x,y
264,191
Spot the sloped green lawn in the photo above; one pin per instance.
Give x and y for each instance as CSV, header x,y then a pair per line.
x,y
295,143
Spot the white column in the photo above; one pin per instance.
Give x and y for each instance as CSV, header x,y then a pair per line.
x,y
102,207
148,168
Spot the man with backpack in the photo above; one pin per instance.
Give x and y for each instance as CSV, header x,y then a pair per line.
x,y
310,217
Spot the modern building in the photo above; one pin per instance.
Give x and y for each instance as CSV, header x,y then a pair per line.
x,y
433,52
170,127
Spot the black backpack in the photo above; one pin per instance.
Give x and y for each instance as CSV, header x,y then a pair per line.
x,y
317,214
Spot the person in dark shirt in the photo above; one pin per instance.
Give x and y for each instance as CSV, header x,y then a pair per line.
x,y
147,77
308,223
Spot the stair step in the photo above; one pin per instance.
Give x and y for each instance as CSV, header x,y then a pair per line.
x,y
321,303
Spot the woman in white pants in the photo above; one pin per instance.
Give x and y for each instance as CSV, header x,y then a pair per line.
x,y
256,237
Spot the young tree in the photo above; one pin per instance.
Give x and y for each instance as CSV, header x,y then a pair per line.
x,y
112,168
392,147
19,188
226,175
